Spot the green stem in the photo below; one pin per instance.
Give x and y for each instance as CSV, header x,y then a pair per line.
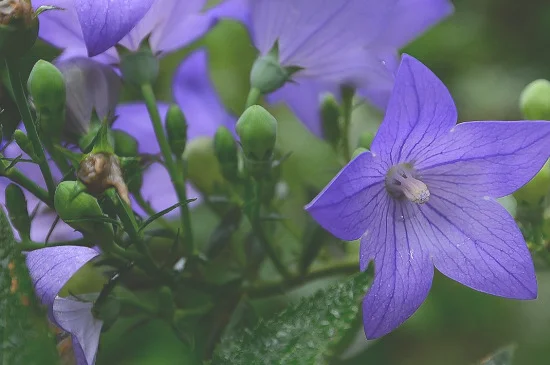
x,y
31,246
253,97
278,287
255,221
21,100
176,175
17,177
347,109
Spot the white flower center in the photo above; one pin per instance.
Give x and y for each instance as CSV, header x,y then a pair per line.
x,y
401,181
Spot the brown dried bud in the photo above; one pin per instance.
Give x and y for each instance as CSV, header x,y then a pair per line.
x,y
11,10
100,171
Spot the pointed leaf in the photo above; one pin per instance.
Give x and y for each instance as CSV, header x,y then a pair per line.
x,y
156,216
305,333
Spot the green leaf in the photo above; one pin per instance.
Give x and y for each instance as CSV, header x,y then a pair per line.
x,y
24,334
156,216
305,333
503,356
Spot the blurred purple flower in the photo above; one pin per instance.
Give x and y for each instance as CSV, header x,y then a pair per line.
x,y
425,196
92,28
338,42
50,269
196,96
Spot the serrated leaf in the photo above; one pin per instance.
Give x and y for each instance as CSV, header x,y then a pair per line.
x,y
503,356
24,334
305,333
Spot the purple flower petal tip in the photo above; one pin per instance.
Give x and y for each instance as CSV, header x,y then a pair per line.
x,y
105,22
50,268
424,197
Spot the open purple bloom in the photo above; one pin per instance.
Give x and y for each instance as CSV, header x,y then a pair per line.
x,y
93,28
424,196
196,96
338,42
50,269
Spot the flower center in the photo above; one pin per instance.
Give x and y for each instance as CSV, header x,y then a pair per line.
x,y
401,182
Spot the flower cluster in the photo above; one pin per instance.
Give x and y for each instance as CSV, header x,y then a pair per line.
x,y
98,171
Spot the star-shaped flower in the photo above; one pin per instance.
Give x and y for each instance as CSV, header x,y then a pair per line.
x,y
338,42
92,27
424,196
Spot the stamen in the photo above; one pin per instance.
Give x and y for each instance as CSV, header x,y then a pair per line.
x,y
401,181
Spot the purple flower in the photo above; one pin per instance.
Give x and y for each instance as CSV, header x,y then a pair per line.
x,y
92,28
337,42
425,196
196,96
50,269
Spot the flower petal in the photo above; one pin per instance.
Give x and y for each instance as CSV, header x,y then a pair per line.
x,y
488,158
198,99
105,22
348,205
60,27
76,317
51,267
410,18
403,270
477,243
233,9
419,112
378,93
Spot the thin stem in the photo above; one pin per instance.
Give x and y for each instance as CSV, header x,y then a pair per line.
x,y
176,175
31,246
17,177
21,100
253,97
259,232
347,108
278,287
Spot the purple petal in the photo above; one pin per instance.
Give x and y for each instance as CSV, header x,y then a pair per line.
x,y
403,270
105,22
51,267
488,158
326,38
61,27
420,111
378,93
350,202
411,18
233,9
477,243
198,99
76,317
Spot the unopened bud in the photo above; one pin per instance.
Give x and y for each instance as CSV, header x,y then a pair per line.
x,y
18,27
140,67
203,168
365,140
176,129
535,100
24,143
330,120
80,210
226,152
17,210
534,192
358,151
125,144
46,86
268,75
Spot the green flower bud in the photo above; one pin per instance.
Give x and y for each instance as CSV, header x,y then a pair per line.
x,y
330,119
365,140
358,151
226,152
24,143
167,307
176,129
17,210
268,75
46,86
203,168
533,193
125,144
132,168
535,100
18,28
81,211
257,129
140,67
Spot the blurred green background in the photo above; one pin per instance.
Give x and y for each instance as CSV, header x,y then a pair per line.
x,y
485,53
